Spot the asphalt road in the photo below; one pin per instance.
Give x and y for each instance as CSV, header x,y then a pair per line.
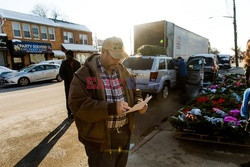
x,y
34,130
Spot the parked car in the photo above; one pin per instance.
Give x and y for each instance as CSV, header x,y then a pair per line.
x,y
33,73
224,61
211,66
154,74
58,62
3,72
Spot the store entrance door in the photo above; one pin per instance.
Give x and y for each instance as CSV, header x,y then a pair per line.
x,y
2,59
18,62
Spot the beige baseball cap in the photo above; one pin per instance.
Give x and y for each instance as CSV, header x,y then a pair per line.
x,y
115,47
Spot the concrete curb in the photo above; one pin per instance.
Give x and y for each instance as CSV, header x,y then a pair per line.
x,y
144,141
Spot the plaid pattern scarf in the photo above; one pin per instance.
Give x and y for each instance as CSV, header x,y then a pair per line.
x,y
114,93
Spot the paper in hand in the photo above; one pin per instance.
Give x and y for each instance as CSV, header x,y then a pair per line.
x,y
140,105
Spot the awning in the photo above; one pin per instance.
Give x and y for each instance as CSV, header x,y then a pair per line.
x,y
58,53
79,47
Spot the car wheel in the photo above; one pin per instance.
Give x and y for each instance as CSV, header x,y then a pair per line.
x,y
58,78
163,95
23,81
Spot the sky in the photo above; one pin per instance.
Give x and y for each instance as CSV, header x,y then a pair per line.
x,y
107,18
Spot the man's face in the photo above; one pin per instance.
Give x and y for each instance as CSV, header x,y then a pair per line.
x,y
68,56
109,62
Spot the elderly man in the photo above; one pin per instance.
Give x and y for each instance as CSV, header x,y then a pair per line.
x,y
100,95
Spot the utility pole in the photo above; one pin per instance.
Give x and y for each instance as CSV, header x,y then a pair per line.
x,y
235,36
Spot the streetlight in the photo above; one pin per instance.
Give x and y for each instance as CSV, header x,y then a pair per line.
x,y
235,33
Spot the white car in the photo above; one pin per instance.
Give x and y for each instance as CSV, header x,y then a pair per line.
x,y
58,62
33,73
5,70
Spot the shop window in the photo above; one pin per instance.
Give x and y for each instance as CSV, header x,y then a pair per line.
x,y
26,31
44,33
17,60
35,32
83,39
68,37
52,34
36,58
16,30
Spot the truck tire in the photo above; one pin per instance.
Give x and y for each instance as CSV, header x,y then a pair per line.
x,y
163,95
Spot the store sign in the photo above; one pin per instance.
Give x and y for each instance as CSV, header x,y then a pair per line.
x,y
3,42
31,47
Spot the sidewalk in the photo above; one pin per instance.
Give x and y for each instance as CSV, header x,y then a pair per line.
x,y
161,149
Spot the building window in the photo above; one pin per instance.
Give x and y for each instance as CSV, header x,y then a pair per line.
x,y
44,32
68,37
26,31
35,32
16,30
83,39
52,34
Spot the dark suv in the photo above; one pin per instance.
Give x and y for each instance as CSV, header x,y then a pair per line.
x,y
224,61
211,66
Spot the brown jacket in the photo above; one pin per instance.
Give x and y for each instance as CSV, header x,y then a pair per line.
x,y
90,107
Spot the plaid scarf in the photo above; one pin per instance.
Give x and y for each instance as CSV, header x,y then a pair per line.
x,y
114,93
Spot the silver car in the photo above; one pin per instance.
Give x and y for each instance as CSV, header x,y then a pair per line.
x,y
154,74
33,73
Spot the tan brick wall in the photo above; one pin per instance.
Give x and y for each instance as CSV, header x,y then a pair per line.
x,y
56,45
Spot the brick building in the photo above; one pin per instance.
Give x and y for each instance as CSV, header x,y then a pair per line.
x,y
32,39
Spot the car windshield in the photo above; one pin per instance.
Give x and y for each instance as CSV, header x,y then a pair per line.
x,y
223,59
25,69
208,60
138,63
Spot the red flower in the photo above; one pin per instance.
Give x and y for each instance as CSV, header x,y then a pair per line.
x,y
219,101
202,99
186,110
239,105
238,84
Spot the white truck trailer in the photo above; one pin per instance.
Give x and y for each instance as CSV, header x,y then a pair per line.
x,y
176,40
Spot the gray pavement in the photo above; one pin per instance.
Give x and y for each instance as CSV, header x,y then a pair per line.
x,y
161,149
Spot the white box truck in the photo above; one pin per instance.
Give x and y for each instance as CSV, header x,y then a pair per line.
x,y
177,41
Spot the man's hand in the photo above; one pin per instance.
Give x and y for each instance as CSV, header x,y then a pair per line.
x,y
144,109
122,107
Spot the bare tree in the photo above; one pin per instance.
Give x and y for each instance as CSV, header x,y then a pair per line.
x,y
40,10
47,12
214,51
55,13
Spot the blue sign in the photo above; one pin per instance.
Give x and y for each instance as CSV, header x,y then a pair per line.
x,y
31,47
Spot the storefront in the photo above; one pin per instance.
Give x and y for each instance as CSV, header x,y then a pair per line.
x,y
81,52
3,50
26,53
